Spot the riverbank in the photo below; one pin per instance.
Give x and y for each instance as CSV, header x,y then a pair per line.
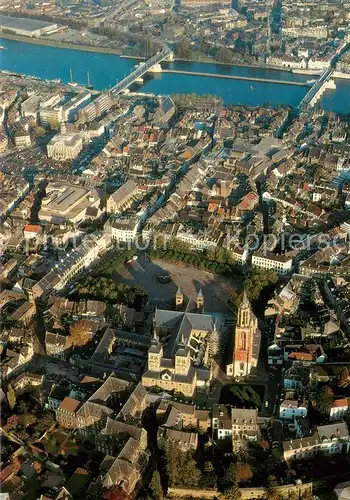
x,y
233,77
63,45
339,74
310,72
115,51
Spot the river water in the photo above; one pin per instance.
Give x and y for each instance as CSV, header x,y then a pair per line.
x,y
106,69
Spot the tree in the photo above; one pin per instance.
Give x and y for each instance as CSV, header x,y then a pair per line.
x,y
229,478
45,422
39,130
343,377
79,334
156,486
27,419
181,467
11,397
115,493
53,124
272,480
243,472
183,50
324,399
22,406
208,477
224,55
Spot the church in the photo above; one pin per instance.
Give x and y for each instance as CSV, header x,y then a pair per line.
x,y
247,342
182,347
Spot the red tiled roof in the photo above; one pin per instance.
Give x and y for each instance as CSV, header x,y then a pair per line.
x,y
302,356
338,403
69,404
32,228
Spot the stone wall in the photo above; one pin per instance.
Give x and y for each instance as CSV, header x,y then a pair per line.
x,y
288,491
194,493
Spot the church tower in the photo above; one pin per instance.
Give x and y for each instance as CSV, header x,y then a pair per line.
x,y
182,359
179,298
247,341
200,300
155,354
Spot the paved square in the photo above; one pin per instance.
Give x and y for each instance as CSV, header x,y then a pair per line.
x,y
144,272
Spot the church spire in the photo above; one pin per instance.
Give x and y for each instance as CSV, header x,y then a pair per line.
x,y
245,313
200,300
155,338
245,300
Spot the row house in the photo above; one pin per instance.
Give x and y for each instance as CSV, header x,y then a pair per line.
x,y
281,264
73,264
330,439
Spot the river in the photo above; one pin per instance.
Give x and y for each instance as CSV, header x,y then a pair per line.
x,y
105,69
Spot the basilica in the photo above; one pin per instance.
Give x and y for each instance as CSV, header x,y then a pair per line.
x,y
183,345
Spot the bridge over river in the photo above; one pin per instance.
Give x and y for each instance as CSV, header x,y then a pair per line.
x,y
143,68
316,88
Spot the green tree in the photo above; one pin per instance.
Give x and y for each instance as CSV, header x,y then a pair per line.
x,y
11,397
224,54
39,131
156,486
53,124
229,478
183,50
181,467
22,407
324,399
208,479
27,419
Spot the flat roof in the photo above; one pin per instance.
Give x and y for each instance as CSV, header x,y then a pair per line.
x,y
23,24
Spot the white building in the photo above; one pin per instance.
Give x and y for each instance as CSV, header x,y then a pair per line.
x,y
266,260
68,203
65,146
306,31
339,409
26,27
201,240
330,439
71,107
73,264
321,63
123,230
221,421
